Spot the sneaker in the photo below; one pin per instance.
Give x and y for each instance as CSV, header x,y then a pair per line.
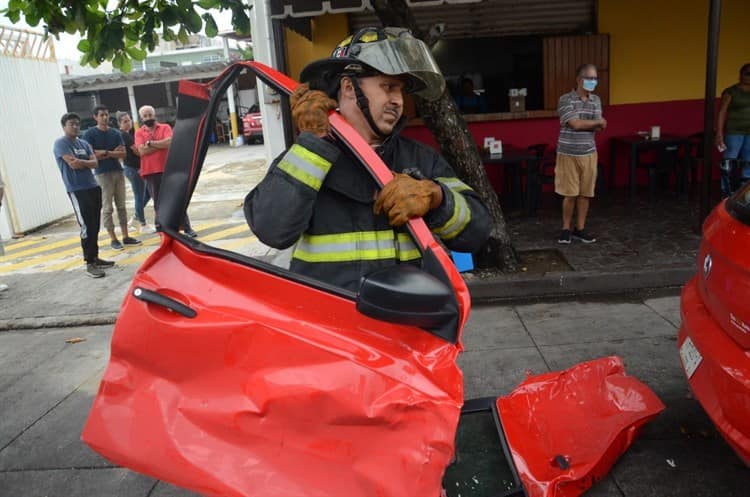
x,y
147,228
129,240
94,271
583,236
116,245
3,287
191,233
131,222
101,263
564,237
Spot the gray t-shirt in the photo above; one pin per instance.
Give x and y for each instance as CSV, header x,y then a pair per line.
x,y
572,106
74,179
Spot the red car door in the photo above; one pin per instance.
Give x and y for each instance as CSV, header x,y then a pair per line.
x,y
233,377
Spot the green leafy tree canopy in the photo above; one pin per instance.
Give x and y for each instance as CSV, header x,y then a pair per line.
x,y
128,30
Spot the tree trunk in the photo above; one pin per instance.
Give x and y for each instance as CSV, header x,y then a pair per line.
x,y
457,145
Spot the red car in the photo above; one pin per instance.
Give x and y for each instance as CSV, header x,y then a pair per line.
x,y
252,127
714,338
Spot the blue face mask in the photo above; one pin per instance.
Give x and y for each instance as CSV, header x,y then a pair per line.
x,y
589,84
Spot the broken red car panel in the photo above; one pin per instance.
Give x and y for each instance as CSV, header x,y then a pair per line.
x,y
566,429
714,336
233,378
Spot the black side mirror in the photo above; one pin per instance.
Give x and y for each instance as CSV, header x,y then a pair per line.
x,y
405,294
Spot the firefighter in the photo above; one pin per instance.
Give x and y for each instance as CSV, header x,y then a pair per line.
x,y
319,198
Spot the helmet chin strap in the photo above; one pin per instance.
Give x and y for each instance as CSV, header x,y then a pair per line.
x,y
364,105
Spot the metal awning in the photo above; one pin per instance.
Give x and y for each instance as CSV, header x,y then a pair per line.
x,y
281,9
96,82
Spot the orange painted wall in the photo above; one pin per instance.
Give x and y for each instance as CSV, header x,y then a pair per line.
x,y
327,30
658,47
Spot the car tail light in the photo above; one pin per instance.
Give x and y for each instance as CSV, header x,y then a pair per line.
x,y
724,274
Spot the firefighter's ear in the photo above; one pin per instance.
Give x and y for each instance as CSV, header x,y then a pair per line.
x,y
347,88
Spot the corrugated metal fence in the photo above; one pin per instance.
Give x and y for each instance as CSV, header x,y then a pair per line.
x,y
32,102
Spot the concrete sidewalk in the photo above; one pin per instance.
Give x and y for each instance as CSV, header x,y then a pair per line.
x,y
47,386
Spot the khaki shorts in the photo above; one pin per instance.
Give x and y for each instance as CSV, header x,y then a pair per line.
x,y
576,175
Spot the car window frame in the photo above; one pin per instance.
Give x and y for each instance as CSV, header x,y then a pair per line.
x,y
434,259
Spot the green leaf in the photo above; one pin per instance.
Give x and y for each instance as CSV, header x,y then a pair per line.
x,y
169,16
168,34
182,35
70,26
117,61
131,33
240,21
136,53
195,23
209,4
84,46
211,28
127,64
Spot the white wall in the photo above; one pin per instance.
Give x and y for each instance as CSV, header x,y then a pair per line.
x,y
248,98
32,103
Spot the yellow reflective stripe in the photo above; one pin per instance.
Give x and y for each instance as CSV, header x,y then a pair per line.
x,y
305,166
458,221
356,246
346,256
453,183
311,157
354,236
407,249
345,247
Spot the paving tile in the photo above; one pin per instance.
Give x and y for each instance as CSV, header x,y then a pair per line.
x,y
570,322
115,482
35,392
704,468
495,327
55,440
498,372
666,307
164,489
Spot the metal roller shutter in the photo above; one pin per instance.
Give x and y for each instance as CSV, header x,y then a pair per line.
x,y
490,18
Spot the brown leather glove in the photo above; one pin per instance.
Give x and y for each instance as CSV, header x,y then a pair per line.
x,y
310,109
404,198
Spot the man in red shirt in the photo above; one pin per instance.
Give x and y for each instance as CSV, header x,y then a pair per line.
x,y
153,140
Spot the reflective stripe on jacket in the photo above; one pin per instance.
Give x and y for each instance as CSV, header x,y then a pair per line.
x,y
320,198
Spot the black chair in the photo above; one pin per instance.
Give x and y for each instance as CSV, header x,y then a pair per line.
x,y
696,158
667,163
545,171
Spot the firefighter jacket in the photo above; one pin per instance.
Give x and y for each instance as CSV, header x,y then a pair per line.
x,y
320,199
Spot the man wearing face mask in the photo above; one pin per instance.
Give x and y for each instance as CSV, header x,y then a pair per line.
x,y
153,140
580,114
320,199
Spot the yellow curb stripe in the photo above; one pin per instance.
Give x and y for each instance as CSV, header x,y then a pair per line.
x,y
152,240
108,254
241,227
10,247
237,242
76,240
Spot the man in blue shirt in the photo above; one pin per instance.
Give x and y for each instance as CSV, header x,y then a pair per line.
x,y
76,159
109,149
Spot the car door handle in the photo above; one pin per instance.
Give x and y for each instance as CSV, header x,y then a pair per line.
x,y
164,301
